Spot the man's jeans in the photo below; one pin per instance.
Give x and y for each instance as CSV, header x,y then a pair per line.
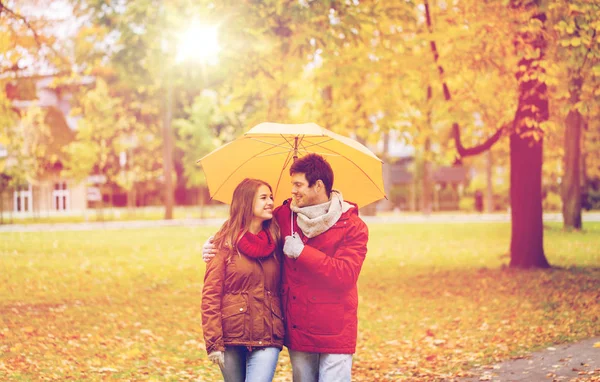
x,y
242,365
323,367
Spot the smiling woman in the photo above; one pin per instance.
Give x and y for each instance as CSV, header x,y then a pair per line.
x,y
241,307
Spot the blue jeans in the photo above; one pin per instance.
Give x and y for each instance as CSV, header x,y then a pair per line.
x,y
323,367
242,365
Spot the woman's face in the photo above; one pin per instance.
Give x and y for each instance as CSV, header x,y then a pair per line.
x,y
263,203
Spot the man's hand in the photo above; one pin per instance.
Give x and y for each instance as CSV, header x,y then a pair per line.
x,y
293,246
217,357
209,250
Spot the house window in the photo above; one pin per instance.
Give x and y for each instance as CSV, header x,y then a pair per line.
x,y
61,197
22,199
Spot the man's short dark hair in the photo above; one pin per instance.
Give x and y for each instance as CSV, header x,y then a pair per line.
x,y
314,167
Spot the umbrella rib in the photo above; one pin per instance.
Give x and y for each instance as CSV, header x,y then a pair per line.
x,y
267,143
240,166
357,166
288,142
318,144
315,144
269,155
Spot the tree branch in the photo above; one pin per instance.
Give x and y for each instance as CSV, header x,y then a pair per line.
x,y
475,150
36,36
586,55
461,150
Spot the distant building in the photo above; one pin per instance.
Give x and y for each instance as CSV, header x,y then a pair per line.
x,y
401,181
52,194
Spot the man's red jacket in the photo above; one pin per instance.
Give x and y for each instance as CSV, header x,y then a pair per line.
x,y
319,293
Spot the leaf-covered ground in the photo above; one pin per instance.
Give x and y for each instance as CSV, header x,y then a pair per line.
x,y
435,300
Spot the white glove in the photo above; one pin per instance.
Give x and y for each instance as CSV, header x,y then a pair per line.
x,y
217,357
209,250
293,246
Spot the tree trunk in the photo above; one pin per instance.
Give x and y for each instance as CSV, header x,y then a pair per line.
x,y
426,192
426,179
131,200
327,95
386,204
489,191
35,204
413,195
201,201
571,186
527,240
1,205
111,201
526,153
168,152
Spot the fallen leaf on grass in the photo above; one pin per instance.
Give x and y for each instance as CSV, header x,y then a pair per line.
x,y
105,370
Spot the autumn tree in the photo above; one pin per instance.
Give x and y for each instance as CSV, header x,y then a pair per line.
x,y
101,134
197,138
525,134
578,52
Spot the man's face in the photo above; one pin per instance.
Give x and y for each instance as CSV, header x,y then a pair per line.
x,y
302,194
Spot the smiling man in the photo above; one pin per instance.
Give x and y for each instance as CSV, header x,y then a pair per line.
x,y
325,246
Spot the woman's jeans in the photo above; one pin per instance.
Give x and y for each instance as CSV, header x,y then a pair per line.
x,y
242,365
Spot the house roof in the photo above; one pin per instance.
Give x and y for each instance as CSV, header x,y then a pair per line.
x,y
399,174
450,174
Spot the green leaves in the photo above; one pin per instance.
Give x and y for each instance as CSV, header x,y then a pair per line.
x,y
196,137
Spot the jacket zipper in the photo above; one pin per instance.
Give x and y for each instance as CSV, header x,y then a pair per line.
x,y
249,305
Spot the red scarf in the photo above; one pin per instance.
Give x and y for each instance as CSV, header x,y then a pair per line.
x,y
256,246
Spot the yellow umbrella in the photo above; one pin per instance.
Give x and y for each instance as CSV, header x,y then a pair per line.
x,y
268,150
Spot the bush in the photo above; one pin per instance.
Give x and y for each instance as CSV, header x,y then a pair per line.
x,y
552,202
466,203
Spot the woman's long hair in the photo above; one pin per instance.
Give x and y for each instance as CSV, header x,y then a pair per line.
x,y
241,213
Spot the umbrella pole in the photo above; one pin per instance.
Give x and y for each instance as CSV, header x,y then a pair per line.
x,y
292,212
295,148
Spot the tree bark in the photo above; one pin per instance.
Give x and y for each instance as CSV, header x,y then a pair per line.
x,y
168,152
201,201
131,200
413,195
386,204
527,239
489,191
1,205
526,153
426,179
571,186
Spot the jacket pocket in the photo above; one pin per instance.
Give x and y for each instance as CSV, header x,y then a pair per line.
x,y
327,315
233,320
277,319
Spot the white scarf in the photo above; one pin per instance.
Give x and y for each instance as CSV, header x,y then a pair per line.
x,y
316,219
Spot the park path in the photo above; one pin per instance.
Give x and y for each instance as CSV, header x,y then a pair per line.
x,y
578,361
398,218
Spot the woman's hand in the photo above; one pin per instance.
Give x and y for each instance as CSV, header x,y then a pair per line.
x,y
217,357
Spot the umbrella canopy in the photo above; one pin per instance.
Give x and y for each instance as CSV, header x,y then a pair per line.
x,y
268,150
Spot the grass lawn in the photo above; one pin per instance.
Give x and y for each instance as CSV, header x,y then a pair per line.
x,y
435,300
119,214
